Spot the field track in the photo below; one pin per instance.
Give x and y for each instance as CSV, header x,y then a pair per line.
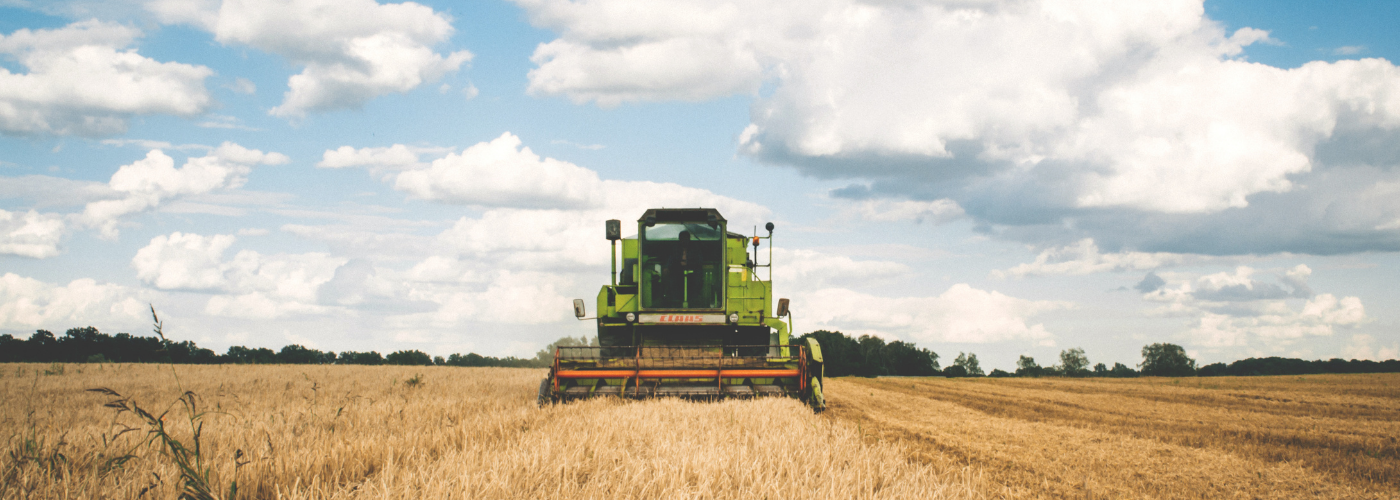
x,y
1323,436
303,431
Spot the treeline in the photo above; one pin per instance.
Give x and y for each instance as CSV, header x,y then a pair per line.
x,y
869,356
88,345
863,356
1170,360
1293,366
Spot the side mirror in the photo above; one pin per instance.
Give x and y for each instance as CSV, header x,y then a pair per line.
x,y
782,307
614,229
579,311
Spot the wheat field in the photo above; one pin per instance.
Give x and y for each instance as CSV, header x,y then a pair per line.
x,y
316,431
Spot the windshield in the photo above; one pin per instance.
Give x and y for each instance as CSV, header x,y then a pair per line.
x,y
681,266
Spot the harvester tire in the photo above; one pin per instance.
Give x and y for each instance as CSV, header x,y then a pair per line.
x,y
817,400
545,396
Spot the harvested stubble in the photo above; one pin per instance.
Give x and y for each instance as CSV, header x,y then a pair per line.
x,y
363,432
1324,436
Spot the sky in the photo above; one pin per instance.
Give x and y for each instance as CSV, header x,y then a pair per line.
x,y
1003,178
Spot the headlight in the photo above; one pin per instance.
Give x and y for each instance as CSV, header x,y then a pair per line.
x,y
631,317
733,317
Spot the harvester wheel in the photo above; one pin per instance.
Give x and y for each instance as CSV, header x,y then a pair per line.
x,y
545,396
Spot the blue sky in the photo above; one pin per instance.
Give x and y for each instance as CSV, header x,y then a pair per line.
x,y
1002,178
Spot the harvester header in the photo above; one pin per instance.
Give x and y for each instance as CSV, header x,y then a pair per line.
x,y
689,315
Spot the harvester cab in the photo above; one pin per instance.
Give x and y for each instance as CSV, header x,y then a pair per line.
x,y
687,315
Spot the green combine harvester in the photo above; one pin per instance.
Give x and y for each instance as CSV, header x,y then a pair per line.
x,y
688,317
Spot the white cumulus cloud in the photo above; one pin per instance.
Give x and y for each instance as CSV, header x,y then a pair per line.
x,y
1233,309
397,156
960,314
1021,112
146,183
503,173
351,51
31,234
935,212
82,79
1084,257
249,284
27,303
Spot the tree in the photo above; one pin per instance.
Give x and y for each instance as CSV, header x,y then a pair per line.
x,y
246,356
869,356
1100,370
1167,360
1026,367
908,359
297,355
360,358
955,371
969,363
1074,363
1121,370
414,357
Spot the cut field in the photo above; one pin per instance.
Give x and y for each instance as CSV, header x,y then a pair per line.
x,y
301,431
1318,436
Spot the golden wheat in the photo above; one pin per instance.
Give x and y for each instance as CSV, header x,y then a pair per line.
x,y
427,432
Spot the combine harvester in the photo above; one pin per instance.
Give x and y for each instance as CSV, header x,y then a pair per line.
x,y
687,317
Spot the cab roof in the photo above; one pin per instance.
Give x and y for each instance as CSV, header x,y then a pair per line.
x,y
682,215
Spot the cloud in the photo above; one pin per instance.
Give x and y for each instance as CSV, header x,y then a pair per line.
x,y
1236,310
1240,286
224,122
248,285
144,184
27,303
30,234
394,157
934,212
1361,347
45,191
350,51
1137,124
808,270
243,86
1278,325
1084,257
83,80
502,173
1348,50
961,314
1150,283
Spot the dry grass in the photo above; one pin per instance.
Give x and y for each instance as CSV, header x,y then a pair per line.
x,y
1325,436
368,432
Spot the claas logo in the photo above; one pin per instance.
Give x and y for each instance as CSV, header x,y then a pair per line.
x,y
681,318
